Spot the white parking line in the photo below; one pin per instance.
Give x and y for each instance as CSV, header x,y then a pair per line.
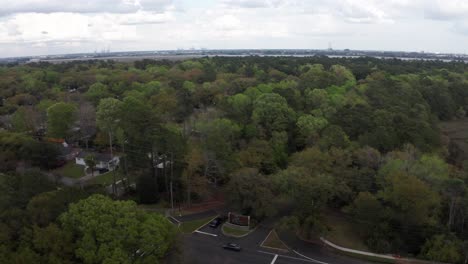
x,y
205,233
314,260
274,259
173,218
266,238
284,256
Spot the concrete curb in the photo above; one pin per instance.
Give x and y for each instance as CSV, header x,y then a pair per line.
x,y
374,256
244,235
311,259
205,223
279,249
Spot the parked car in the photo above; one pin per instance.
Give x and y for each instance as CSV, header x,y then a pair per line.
x,y
232,246
102,171
216,222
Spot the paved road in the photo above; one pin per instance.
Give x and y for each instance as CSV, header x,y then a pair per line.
x,y
200,248
318,251
205,247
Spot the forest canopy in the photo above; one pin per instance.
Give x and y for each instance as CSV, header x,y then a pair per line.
x,y
360,137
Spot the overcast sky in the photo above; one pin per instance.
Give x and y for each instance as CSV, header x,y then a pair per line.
x,y
42,27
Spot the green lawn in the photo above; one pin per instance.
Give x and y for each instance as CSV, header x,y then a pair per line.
x,y
106,178
234,232
189,227
160,207
71,170
344,233
273,241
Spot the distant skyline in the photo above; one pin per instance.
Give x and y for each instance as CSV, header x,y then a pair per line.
x,y
47,27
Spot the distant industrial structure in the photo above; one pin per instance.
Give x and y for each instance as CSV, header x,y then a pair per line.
x,y
178,54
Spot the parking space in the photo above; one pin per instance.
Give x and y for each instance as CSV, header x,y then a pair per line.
x,y
210,230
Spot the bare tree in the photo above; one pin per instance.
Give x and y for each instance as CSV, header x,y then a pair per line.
x,y
87,120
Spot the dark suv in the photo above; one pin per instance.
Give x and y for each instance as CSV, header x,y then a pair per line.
x,y
216,222
232,246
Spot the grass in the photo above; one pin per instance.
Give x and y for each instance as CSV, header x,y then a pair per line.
x,y
273,241
190,226
234,232
159,207
71,170
344,233
106,178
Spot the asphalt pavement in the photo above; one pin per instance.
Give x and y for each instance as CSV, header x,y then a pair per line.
x,y
205,246
203,249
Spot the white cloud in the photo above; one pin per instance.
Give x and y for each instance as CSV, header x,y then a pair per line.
x,y
446,10
81,6
55,26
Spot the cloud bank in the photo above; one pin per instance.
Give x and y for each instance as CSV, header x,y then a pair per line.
x,y
34,27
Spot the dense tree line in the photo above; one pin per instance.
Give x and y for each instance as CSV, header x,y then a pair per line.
x,y
308,135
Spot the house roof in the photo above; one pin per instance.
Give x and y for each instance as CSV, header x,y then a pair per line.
x,y
104,157
65,150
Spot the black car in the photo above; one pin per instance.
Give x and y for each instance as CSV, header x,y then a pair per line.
x,y
215,223
102,171
232,246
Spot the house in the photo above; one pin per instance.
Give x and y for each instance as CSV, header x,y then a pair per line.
x,y
159,161
103,160
67,152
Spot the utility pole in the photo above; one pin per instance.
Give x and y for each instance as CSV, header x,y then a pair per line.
x,y
114,185
110,144
165,174
172,172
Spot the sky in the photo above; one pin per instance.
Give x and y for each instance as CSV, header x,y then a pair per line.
x,y
46,27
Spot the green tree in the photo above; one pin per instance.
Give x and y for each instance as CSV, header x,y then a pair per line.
x,y
97,92
60,119
25,119
258,202
412,201
443,248
218,137
309,193
258,154
240,107
333,136
45,207
17,189
54,245
367,208
310,127
109,231
272,113
108,115
90,161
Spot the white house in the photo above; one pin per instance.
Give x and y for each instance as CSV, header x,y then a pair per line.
x,y
103,161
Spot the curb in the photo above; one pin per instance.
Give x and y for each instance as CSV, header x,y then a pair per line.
x,y
311,259
279,249
373,256
205,223
180,223
244,235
